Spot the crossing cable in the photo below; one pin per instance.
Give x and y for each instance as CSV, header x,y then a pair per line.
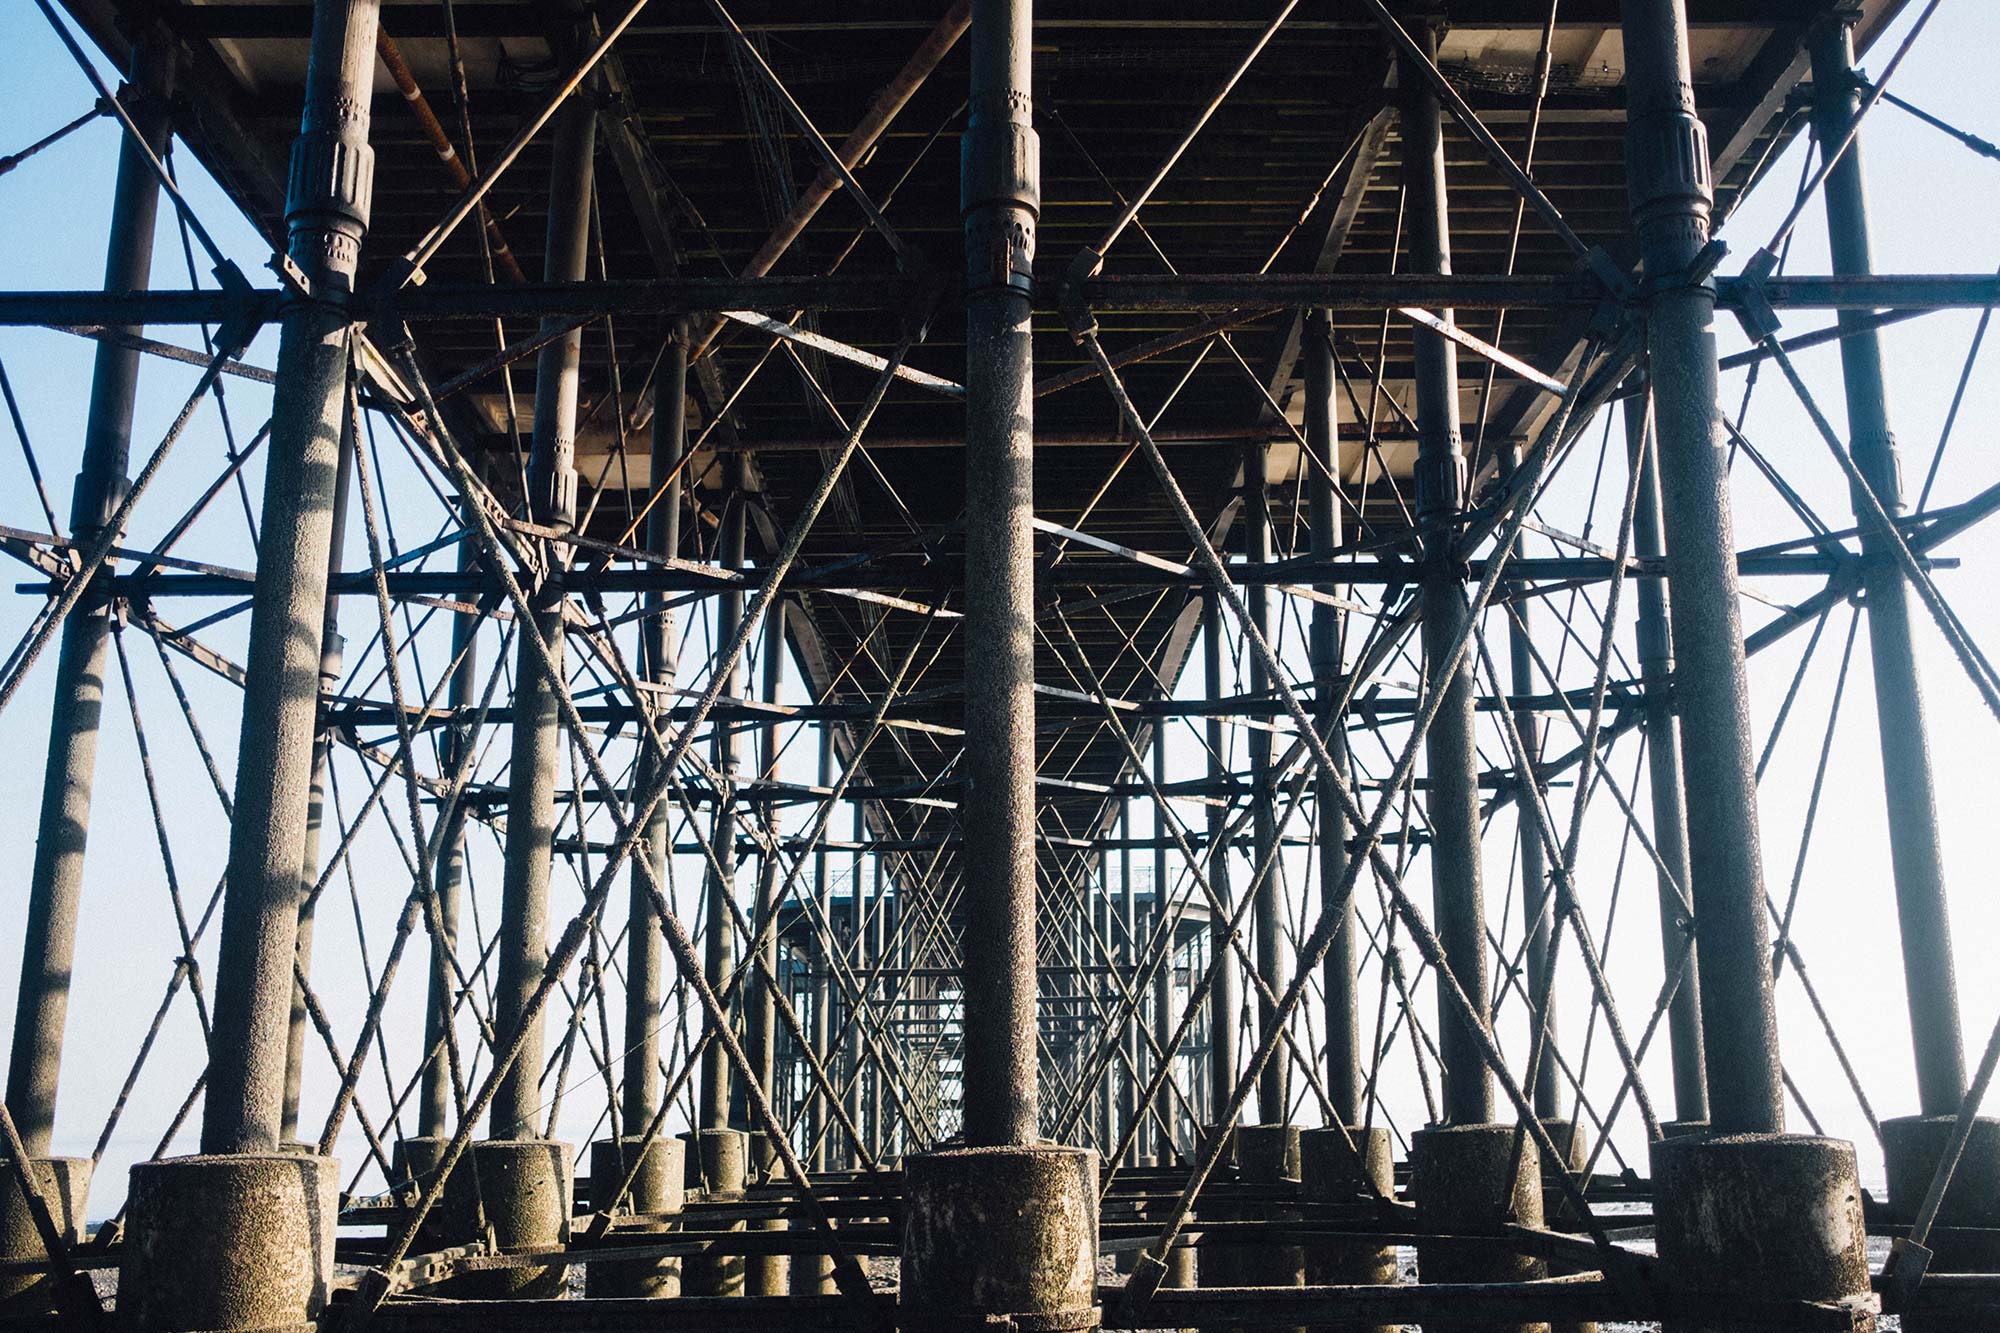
x,y
94,556
847,1273
1216,905
12,160
1150,1268
1831,157
226,271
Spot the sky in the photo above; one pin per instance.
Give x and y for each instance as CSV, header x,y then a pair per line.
x,y
1933,203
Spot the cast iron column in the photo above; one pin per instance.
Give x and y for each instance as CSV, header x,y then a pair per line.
x,y
1668,178
1128,960
822,971
1451,750
330,661
1267,927
538,739
1000,190
326,215
1163,986
1225,998
460,743
1663,768
760,1008
1343,1023
1915,849
645,947
55,881
1535,894
719,947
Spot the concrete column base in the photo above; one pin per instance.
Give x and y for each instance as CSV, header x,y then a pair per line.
x,y
767,1274
526,1188
65,1186
812,1275
1467,1181
722,1158
243,1241
1000,1231
659,1187
1215,1262
417,1160
1759,1216
1332,1172
1269,1155
1913,1146
1574,1143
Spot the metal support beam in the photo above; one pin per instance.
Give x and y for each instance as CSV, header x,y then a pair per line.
x,y
1915,847
331,655
55,881
1344,1062
1164,920
1267,912
1672,196
645,947
1000,192
1536,906
326,215
1226,998
1451,746
1663,768
719,944
760,1007
460,744
537,738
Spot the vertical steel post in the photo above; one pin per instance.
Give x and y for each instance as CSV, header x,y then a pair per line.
x,y
1668,179
1000,192
55,881
1915,849
1267,925
760,1007
1163,987
1535,895
878,926
537,737
1663,768
1225,999
645,947
460,743
822,974
1128,962
331,652
326,215
1450,749
719,946
1343,1007
852,946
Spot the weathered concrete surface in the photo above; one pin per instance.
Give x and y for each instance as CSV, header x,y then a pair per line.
x,y
996,1231
723,1164
1770,1216
1333,1172
1556,1207
243,1241
766,1274
1470,1180
526,1189
65,1185
659,1187
1267,1155
1913,1146
417,1159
